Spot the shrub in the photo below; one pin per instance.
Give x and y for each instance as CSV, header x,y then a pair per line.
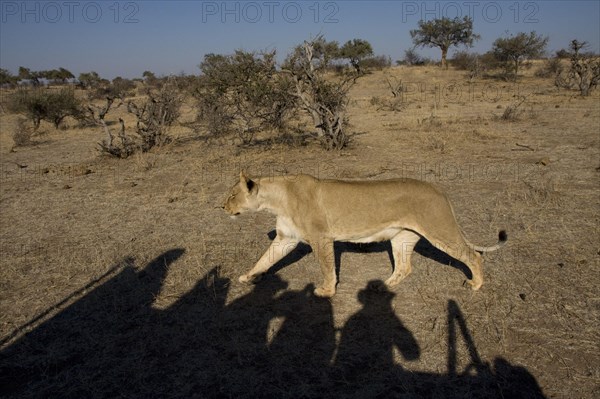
x,y
512,51
22,134
516,110
242,93
463,60
550,68
63,104
118,88
42,104
159,111
473,63
324,99
31,103
377,62
583,72
411,58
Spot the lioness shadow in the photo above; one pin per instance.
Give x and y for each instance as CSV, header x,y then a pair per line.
x,y
423,248
269,342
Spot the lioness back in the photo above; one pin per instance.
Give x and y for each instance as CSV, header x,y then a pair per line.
x,y
373,205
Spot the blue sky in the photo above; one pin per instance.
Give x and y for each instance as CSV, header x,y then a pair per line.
x,y
126,38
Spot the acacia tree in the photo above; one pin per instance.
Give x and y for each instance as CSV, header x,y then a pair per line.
x,y
355,51
60,75
513,50
444,33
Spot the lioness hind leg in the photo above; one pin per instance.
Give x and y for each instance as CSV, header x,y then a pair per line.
x,y
280,247
474,263
403,244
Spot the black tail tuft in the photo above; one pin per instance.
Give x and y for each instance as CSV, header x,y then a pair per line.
x,y
502,236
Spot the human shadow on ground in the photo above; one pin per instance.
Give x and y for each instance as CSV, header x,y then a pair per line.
x,y
270,342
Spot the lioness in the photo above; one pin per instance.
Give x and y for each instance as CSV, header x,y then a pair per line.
x,y
319,212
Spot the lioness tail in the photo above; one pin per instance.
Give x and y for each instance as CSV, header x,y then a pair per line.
x,y
502,238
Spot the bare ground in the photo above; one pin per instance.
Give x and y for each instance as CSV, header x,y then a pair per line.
x,y
119,277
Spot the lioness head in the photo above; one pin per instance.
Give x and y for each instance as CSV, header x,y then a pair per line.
x,y
243,197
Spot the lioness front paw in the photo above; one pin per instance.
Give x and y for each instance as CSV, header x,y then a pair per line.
x,y
324,293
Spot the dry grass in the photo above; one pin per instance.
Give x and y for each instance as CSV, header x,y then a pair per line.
x,y
118,278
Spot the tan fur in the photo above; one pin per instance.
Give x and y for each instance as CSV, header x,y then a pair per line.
x,y
319,212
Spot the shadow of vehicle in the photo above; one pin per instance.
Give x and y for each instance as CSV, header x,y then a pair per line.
x,y
112,342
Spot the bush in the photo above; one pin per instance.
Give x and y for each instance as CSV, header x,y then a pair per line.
x,y
118,88
463,60
63,104
516,110
42,104
550,68
242,93
471,62
324,99
583,72
514,50
31,103
411,58
160,110
22,134
377,63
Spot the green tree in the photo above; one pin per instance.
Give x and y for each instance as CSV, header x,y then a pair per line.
x,y
356,50
444,33
513,50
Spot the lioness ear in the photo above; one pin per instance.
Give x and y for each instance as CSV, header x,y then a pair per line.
x,y
247,184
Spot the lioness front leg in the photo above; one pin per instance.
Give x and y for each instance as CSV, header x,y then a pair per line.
x,y
326,257
280,247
